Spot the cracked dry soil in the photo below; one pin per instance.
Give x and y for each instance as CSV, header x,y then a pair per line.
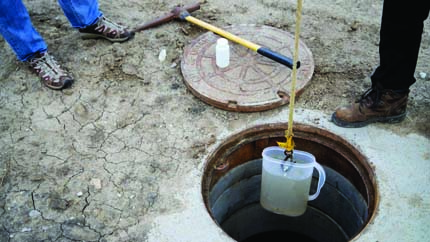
x,y
99,161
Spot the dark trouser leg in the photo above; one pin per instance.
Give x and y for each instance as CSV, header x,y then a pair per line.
x,y
400,38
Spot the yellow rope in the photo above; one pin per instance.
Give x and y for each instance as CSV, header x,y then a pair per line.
x,y
289,145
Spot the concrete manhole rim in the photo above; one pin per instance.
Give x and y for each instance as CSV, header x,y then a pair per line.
x,y
302,131
246,100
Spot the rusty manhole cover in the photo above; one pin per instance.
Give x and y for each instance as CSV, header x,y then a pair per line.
x,y
251,82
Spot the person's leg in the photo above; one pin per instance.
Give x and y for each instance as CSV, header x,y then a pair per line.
x,y
81,13
86,16
400,37
17,29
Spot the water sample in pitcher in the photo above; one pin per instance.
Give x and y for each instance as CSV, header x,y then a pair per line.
x,y
285,185
285,192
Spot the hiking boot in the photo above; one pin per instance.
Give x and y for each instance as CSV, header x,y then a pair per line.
x,y
105,28
375,105
50,73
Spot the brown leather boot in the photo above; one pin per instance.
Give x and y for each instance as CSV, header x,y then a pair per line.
x,y
375,105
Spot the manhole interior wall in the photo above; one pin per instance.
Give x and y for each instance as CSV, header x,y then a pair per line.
x,y
232,180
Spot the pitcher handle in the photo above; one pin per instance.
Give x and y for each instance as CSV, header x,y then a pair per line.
x,y
321,181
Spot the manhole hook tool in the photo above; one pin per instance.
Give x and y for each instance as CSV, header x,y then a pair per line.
x,y
183,13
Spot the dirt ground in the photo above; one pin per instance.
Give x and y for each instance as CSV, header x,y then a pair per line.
x,y
98,162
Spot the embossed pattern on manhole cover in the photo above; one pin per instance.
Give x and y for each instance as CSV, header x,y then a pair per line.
x,y
251,82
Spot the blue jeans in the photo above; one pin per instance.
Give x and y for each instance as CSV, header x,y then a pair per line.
x,y
17,29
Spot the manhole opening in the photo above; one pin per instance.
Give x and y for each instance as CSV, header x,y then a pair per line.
x,y
232,180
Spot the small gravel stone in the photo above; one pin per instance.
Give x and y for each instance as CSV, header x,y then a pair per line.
x,y
162,55
97,183
25,229
34,213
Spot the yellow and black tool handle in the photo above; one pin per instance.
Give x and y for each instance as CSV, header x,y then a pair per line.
x,y
264,51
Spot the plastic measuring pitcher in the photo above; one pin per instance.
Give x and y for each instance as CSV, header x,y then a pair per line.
x,y
285,185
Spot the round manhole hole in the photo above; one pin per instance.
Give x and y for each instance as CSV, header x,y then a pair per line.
x,y
232,180
251,82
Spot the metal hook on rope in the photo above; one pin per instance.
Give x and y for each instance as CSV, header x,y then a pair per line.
x,y
288,146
